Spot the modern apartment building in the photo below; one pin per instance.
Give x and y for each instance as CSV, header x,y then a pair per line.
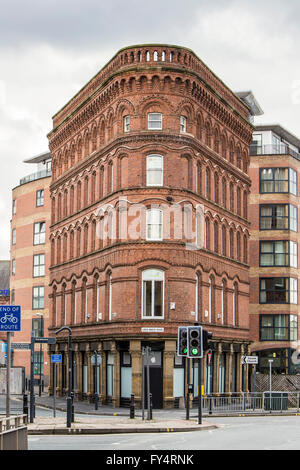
x,y
151,138
274,247
30,259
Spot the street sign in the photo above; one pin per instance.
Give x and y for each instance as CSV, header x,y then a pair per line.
x,y
249,359
56,358
20,345
93,360
10,318
45,340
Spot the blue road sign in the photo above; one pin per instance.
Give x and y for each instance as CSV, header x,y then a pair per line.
x,y
10,318
56,358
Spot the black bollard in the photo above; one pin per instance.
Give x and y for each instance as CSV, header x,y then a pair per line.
x,y
25,404
151,406
131,407
72,408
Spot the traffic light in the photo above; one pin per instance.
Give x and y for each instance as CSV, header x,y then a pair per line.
x,y
195,347
182,346
207,335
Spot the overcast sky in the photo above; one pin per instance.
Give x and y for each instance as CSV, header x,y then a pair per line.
x,y
50,49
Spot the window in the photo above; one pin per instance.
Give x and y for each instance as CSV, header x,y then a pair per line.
x,y
154,121
278,180
256,144
38,265
38,297
126,123
278,217
154,224
14,207
182,124
39,233
13,267
153,293
12,297
278,253
154,170
14,236
278,290
38,327
278,328
40,198
38,365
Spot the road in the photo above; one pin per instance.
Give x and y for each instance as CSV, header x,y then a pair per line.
x,y
253,433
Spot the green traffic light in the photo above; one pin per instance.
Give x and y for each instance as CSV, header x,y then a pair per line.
x,y
195,351
185,351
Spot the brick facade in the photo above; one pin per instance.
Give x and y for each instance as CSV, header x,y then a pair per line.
x,y
99,170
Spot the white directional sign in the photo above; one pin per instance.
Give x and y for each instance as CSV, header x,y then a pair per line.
x,y
249,359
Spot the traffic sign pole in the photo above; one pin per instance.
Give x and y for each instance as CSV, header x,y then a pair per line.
x,y
8,365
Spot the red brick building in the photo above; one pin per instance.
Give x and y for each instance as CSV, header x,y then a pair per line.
x,y
30,259
274,215
148,140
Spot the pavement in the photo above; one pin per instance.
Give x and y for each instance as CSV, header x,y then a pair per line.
x,y
108,420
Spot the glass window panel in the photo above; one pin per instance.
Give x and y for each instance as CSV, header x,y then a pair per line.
x,y
158,300
147,298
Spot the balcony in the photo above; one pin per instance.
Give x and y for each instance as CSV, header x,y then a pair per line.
x,y
35,176
271,149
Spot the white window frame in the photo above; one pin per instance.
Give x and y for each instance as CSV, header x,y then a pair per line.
x,y
14,236
127,123
40,235
14,205
183,121
149,223
153,275
158,127
39,266
149,169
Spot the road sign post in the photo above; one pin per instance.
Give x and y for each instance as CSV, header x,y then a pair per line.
x,y
55,359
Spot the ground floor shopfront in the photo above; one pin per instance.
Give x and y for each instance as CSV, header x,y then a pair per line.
x,y
120,373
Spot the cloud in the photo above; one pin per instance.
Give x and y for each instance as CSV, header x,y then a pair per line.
x,y
50,49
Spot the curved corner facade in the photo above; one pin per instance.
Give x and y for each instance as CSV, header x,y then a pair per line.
x,y
149,228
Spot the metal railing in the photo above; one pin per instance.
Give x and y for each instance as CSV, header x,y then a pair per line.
x,y
247,402
35,176
13,433
272,149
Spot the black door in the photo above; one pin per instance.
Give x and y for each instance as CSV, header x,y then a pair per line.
x,y
156,382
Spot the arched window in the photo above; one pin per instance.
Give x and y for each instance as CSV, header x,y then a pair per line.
x,y
224,193
153,293
72,244
86,192
65,247
58,250
163,56
223,302
207,234
85,239
211,299
238,201
148,56
245,205
155,56
224,241
238,246
65,203
78,244
154,176
216,237
235,304
245,249
231,197
197,298
154,225
199,178
216,178
231,244
72,200
79,196
207,184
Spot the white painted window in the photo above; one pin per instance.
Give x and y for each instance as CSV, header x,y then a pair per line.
x,y
154,121
126,123
154,224
154,170
153,294
182,124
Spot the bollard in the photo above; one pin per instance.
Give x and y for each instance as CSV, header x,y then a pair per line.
x,y
72,408
131,407
25,404
151,406
210,404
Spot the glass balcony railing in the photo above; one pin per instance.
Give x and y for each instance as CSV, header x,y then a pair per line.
x,y
281,149
35,176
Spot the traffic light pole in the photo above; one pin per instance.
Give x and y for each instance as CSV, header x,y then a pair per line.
x,y
199,391
187,389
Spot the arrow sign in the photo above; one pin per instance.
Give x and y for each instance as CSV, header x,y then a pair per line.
x,y
249,359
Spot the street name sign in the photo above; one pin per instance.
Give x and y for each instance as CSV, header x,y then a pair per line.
x,y
10,318
45,340
249,359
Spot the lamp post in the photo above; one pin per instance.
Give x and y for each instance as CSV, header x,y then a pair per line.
x,y
69,399
40,361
